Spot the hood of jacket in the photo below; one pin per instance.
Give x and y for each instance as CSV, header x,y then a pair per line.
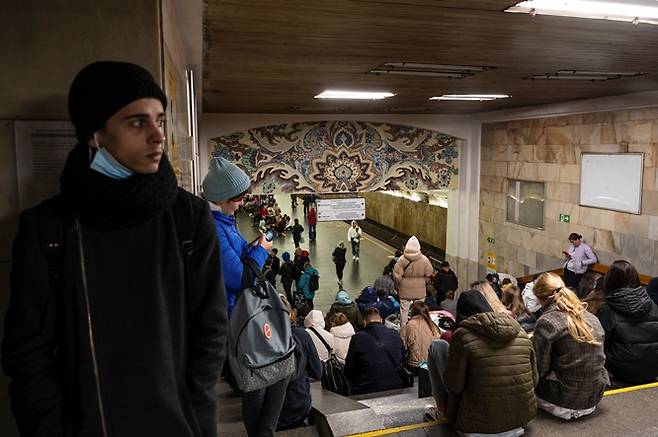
x,y
498,327
314,319
412,249
343,331
632,301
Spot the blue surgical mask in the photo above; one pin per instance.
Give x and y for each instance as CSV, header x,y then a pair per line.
x,y
105,163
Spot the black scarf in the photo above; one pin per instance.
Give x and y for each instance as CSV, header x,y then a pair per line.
x,y
108,203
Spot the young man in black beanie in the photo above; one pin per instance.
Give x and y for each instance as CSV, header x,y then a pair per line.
x,y
117,321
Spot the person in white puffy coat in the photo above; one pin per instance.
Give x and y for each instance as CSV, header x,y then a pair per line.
x,y
342,330
314,324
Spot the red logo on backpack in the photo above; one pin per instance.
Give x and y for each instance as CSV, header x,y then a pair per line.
x,y
267,331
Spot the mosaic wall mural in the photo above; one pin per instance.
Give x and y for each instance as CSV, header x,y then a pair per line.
x,y
342,156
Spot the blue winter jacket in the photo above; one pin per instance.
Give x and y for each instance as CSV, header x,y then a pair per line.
x,y
305,283
234,250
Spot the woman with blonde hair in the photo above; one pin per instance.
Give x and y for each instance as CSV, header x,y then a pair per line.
x,y
568,342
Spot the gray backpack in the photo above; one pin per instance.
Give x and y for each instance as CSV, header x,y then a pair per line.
x,y
261,345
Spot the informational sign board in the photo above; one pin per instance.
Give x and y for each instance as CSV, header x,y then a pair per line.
x,y
41,151
341,209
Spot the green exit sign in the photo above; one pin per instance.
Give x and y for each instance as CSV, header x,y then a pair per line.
x,y
491,240
565,218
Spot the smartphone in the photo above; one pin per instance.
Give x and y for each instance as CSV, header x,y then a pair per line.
x,y
271,234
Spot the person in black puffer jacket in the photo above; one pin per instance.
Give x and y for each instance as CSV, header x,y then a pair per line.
x,y
630,320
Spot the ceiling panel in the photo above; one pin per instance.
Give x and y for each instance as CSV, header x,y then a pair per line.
x,y
273,56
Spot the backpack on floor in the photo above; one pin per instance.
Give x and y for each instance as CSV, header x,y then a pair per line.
x,y
261,346
333,375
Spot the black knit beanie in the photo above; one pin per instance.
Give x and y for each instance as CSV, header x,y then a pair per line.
x,y
102,88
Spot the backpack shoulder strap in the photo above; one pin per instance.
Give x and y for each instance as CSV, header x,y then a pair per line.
x,y
324,342
184,222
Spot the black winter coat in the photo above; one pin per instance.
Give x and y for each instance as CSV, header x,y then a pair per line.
x,y
630,321
368,366
287,273
445,282
117,342
297,404
339,256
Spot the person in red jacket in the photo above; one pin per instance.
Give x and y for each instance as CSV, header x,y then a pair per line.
x,y
312,218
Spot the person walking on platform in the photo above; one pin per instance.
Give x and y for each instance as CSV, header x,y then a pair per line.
x,y
117,318
577,259
276,262
308,284
287,272
568,343
338,258
297,231
354,237
411,274
306,200
312,218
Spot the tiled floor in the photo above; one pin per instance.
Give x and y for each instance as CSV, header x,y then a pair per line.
x,y
375,254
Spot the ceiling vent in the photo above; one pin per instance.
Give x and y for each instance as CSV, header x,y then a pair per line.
x,y
592,76
431,70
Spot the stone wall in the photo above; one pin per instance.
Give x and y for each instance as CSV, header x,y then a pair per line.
x,y
549,150
425,221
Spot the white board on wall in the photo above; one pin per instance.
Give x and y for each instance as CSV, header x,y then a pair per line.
x,y
612,181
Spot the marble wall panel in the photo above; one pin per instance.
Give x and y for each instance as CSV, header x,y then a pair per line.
x,y
642,131
650,203
653,228
548,172
570,173
562,135
552,148
649,179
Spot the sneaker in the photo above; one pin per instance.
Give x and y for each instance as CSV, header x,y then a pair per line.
x,y
357,259
353,257
432,414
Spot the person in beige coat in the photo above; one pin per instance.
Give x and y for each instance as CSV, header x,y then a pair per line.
x,y
418,334
411,274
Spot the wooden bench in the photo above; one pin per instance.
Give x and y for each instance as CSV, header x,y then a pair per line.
x,y
598,268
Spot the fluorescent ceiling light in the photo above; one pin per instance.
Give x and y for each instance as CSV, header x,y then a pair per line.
x,y
354,95
471,97
635,11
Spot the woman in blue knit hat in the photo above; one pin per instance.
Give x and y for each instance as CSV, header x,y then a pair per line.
x,y
224,187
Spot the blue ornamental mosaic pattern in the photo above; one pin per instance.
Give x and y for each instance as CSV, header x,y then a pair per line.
x,y
342,156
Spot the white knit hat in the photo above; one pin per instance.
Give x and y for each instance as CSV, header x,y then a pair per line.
x,y
224,180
